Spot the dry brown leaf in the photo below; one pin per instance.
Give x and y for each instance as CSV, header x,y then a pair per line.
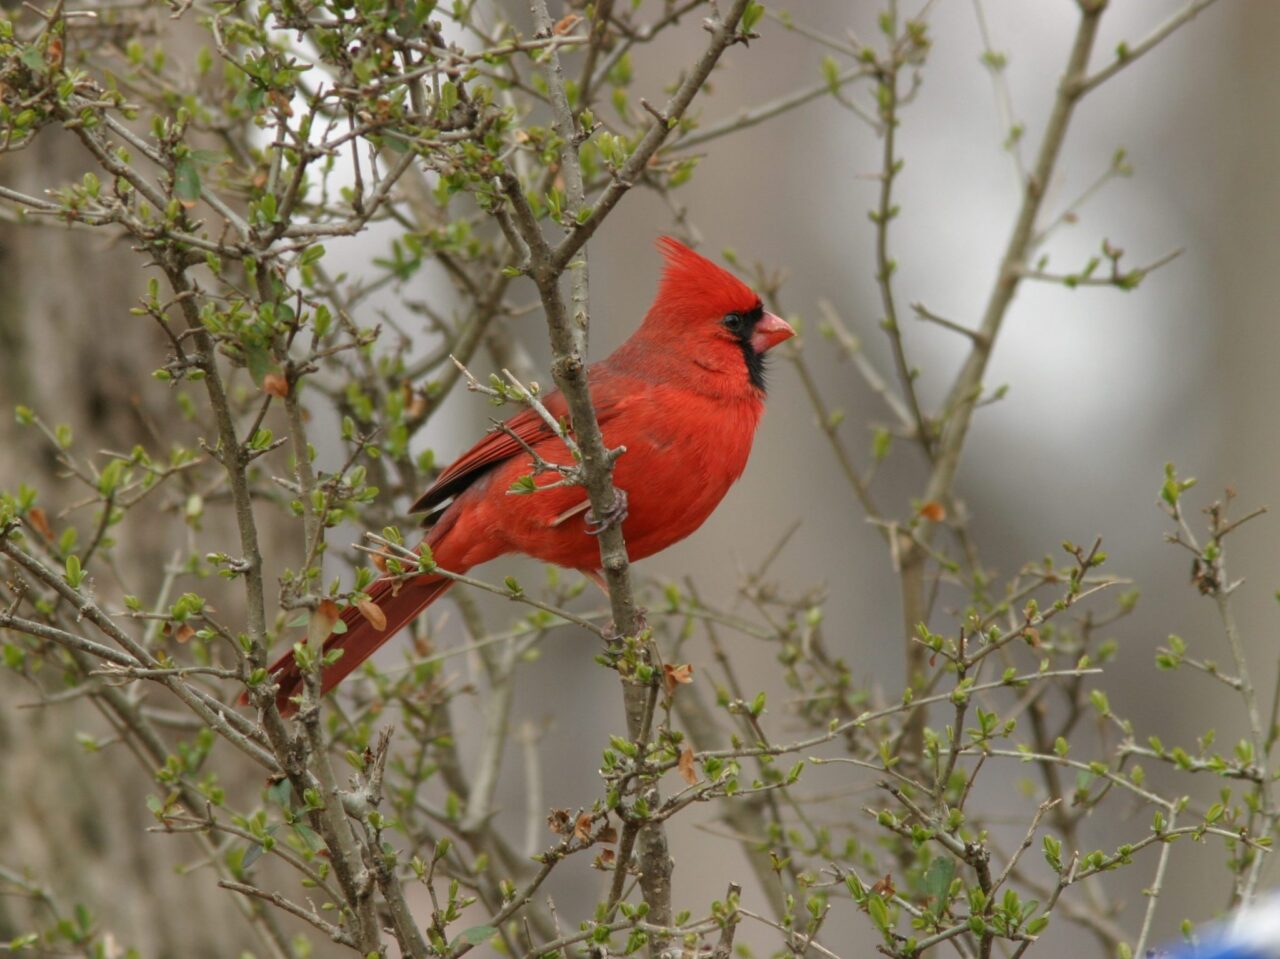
x,y
933,511
184,633
680,674
40,522
320,625
884,887
565,24
607,834
582,827
415,402
373,613
282,102
275,385
685,765
558,821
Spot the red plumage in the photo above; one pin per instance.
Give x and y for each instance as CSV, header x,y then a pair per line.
x,y
684,395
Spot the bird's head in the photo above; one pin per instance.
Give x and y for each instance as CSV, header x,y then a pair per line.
x,y
705,312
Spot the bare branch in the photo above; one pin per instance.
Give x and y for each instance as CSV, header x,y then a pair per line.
x,y
1127,54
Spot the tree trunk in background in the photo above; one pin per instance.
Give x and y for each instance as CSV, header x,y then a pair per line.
x,y
70,349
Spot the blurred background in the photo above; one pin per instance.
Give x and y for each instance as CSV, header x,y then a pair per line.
x,y
1104,387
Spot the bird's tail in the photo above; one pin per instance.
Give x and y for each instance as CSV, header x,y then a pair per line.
x,y
399,600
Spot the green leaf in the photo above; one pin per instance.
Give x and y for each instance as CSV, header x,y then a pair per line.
x,y
880,444
426,561
524,485
878,912
280,791
448,98
33,59
937,882
186,179
310,838
478,934
254,852
831,73
1053,853
259,362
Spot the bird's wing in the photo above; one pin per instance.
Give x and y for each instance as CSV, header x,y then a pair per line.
x,y
526,428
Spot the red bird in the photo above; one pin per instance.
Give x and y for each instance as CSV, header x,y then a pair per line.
x,y
683,395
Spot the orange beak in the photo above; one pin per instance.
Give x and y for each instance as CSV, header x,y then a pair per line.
x,y
769,331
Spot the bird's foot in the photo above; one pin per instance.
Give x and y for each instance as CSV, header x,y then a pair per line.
x,y
616,515
641,621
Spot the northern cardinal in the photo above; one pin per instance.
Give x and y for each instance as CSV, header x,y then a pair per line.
x,y
683,395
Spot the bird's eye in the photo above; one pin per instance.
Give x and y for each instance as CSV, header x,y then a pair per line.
x,y
733,322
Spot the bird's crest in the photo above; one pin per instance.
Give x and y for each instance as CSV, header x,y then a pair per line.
x,y
691,284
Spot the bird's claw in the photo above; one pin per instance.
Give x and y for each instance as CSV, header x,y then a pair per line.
x,y
616,515
611,633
